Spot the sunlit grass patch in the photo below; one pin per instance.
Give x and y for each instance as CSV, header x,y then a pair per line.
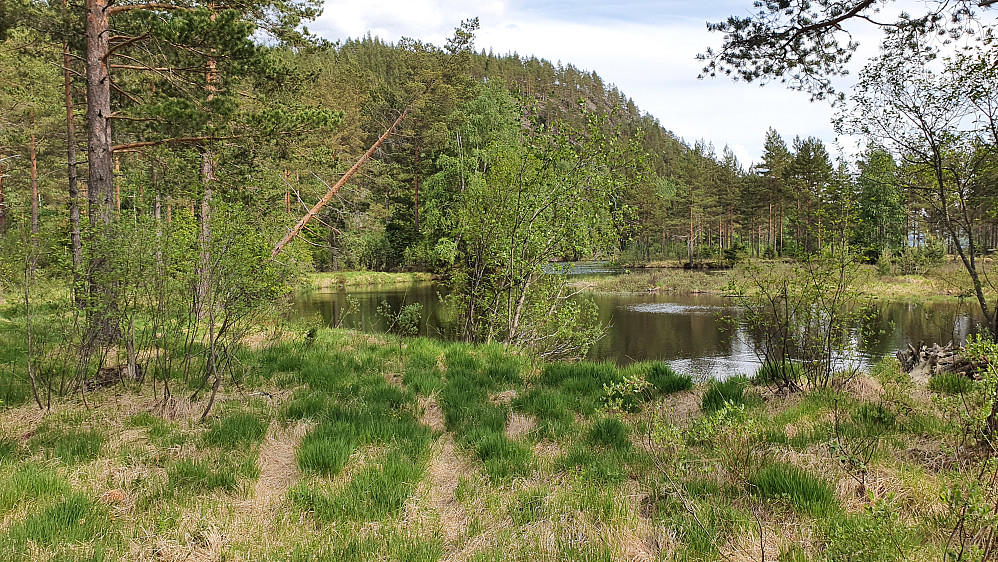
x,y
74,519
305,404
466,405
610,433
10,450
162,433
327,448
805,492
378,491
390,545
422,371
719,393
594,464
583,384
27,482
528,506
665,381
213,473
549,407
238,429
502,457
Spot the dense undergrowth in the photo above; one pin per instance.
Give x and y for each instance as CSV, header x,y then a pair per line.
x,y
336,445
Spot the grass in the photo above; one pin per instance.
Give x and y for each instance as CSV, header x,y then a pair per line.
x,y
609,433
368,279
665,381
69,445
720,393
202,475
950,383
73,519
326,450
351,469
238,429
805,492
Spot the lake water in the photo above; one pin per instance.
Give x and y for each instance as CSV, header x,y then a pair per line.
x,y
694,333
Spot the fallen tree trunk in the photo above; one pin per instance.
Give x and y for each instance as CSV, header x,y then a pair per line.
x,y
336,187
938,359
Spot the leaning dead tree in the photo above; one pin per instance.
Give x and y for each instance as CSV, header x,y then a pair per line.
x,y
336,187
939,359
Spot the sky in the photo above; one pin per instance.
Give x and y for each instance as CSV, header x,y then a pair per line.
x,y
646,48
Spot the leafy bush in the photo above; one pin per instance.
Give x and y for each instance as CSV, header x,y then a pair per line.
x,y
627,394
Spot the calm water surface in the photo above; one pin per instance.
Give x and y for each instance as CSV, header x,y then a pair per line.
x,y
697,334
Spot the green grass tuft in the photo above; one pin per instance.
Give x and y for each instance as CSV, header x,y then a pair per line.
x,y
610,433
721,392
74,519
72,446
950,383
10,450
29,481
305,405
805,492
501,456
376,492
665,381
594,465
326,449
527,506
239,429
202,475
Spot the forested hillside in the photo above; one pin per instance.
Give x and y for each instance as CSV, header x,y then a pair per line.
x,y
281,121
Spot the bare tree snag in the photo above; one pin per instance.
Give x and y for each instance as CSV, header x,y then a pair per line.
x,y
337,186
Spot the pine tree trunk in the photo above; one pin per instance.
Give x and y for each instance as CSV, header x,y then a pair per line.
x,y
74,188
100,181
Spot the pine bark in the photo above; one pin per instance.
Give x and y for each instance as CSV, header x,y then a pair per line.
x,y
102,309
